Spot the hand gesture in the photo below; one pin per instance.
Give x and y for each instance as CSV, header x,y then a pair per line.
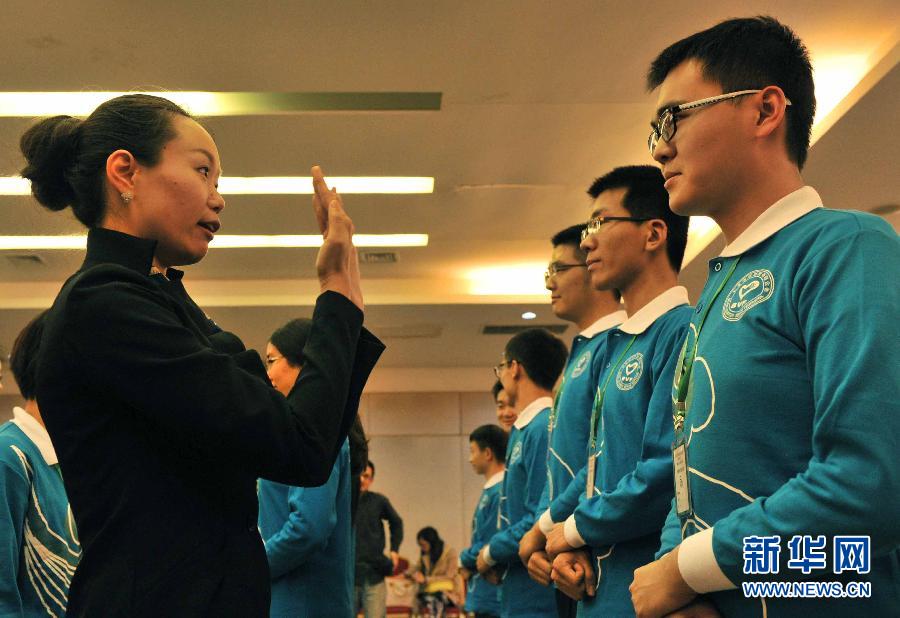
x,y
337,264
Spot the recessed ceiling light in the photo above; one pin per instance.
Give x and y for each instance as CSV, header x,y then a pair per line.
x,y
281,185
33,104
529,315
225,241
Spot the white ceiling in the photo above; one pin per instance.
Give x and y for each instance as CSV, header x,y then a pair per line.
x,y
538,99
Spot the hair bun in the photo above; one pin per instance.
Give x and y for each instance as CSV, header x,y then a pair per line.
x,y
50,148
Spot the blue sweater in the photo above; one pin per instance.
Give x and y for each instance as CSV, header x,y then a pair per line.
x,y
308,544
793,414
481,596
633,488
523,483
39,547
572,415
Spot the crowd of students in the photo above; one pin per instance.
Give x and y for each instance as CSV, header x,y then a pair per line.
x,y
640,465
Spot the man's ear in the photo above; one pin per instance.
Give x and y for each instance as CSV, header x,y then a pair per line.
x,y
771,107
657,235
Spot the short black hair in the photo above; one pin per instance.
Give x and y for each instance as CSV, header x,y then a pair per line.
x,y
496,388
290,340
570,236
491,437
23,360
541,354
646,196
746,54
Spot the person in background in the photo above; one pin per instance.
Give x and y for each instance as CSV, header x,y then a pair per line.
x,y
39,547
593,311
307,530
437,574
372,566
532,362
487,454
506,413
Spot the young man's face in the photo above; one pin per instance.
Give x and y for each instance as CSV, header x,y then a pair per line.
x,y
479,458
506,414
570,289
703,162
616,252
366,478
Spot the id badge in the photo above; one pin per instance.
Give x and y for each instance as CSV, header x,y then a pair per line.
x,y
591,475
682,486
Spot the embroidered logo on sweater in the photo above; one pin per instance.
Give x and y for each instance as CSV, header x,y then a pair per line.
x,y
630,372
753,288
582,364
516,454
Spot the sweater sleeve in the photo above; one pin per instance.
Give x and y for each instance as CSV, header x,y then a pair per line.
x,y
855,375
313,516
504,546
132,346
395,524
14,490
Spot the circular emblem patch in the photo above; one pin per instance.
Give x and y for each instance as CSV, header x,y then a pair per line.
x,y
582,364
753,288
630,372
516,453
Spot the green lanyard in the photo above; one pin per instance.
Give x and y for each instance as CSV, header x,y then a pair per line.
x,y
601,394
554,409
688,356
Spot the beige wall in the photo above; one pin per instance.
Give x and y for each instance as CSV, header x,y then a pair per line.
x,y
419,443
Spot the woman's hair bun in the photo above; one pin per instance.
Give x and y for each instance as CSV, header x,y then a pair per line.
x,y
50,149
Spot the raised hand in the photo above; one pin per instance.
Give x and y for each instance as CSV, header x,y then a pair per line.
x,y
337,264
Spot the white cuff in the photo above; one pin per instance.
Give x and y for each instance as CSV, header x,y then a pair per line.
x,y
545,523
486,556
570,530
698,566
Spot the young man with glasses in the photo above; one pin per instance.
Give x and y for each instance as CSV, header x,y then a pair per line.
x,y
572,298
532,362
788,390
634,244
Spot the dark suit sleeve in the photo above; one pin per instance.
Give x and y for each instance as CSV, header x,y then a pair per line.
x,y
126,341
395,524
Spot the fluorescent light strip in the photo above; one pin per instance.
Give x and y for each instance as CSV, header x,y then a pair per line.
x,y
282,185
224,241
33,104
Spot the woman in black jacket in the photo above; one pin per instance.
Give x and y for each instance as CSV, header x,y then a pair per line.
x,y
161,420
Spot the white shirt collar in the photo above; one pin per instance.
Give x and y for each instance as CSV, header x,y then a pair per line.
x,y
532,410
36,433
777,216
648,314
604,323
497,478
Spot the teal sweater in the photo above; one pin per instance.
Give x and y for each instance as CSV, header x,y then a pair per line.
x,y
308,544
39,547
793,415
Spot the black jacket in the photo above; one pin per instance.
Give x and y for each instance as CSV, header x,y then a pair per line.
x,y
162,423
371,564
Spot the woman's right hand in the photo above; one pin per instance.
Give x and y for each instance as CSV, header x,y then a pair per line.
x,y
337,263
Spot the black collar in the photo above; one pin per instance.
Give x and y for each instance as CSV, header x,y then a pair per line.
x,y
109,246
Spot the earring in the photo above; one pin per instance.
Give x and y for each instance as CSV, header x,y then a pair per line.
x,y
127,196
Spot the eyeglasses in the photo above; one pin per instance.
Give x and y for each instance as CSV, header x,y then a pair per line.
x,y
554,268
499,368
665,126
593,226
270,360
